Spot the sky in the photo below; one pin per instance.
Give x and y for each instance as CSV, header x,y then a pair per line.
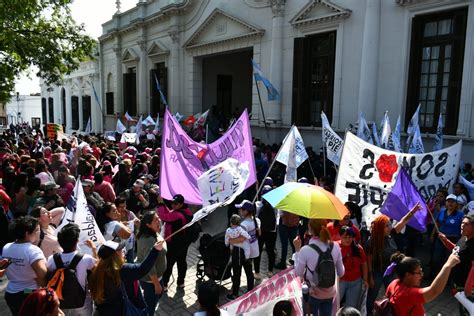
x,y
93,13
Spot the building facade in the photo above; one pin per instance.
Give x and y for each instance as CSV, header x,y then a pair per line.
x,y
22,109
338,56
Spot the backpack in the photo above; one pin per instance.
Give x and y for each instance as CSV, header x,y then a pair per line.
x,y
267,218
325,268
192,232
383,307
64,282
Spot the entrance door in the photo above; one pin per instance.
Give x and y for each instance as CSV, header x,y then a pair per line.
x,y
224,94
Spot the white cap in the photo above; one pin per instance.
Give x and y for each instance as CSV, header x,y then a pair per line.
x,y
452,197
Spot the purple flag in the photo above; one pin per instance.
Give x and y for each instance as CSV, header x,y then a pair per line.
x,y
184,160
402,199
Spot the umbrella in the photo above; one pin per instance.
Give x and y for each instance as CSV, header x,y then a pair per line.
x,y
306,200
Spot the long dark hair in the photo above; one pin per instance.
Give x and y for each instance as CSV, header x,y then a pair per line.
x,y
404,264
144,230
102,217
354,247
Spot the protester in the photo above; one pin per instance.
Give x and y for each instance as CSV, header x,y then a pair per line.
x,y
381,246
48,220
178,244
405,295
42,302
355,266
208,300
130,220
108,220
103,188
348,311
235,231
27,269
322,284
335,226
283,308
287,230
68,238
50,198
147,236
111,276
137,199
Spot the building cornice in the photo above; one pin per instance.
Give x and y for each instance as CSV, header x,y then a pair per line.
x,y
337,13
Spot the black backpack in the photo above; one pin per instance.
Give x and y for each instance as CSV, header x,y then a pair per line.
x,y
325,268
191,232
73,294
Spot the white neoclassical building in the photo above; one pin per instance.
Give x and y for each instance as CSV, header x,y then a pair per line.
x,y
339,56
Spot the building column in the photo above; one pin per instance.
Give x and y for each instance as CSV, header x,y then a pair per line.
x,y
119,78
143,104
276,60
81,114
173,70
369,62
67,88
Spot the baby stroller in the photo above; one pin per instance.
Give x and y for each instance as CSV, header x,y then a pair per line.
x,y
214,258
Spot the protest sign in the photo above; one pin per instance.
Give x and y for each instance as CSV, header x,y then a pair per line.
x,y
285,285
53,129
183,160
367,173
129,138
77,211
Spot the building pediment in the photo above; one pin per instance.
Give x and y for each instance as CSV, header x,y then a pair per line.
x,y
219,27
157,48
129,55
319,11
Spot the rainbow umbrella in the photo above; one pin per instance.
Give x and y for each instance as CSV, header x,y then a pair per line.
x,y
306,200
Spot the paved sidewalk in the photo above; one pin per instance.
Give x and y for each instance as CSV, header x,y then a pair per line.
x,y
184,302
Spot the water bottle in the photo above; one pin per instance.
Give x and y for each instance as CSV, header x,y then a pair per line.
x,y
305,291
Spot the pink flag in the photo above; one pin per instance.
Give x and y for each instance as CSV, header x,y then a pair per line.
x,y
182,160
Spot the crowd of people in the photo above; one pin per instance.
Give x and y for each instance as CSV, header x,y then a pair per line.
x,y
144,239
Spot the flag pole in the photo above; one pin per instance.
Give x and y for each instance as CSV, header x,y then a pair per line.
x,y
261,107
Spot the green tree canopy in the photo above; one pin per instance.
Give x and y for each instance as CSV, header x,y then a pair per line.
x,y
40,33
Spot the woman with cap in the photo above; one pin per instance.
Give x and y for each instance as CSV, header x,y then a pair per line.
x,y
108,220
112,278
252,226
48,221
267,215
449,221
137,198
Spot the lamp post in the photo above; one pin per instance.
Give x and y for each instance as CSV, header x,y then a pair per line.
x,y
18,108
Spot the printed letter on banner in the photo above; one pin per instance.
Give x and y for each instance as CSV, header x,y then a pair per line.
x,y
367,173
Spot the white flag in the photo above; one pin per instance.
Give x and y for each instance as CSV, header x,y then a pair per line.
x,y
438,143
291,175
331,141
120,127
416,146
375,134
363,130
148,121
88,129
300,152
157,125
396,136
386,131
414,123
138,130
178,117
77,211
201,120
128,117
129,138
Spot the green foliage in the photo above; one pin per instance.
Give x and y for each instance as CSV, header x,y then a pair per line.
x,y
41,33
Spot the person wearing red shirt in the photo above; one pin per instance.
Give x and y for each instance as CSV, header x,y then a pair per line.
x,y
355,264
335,226
405,295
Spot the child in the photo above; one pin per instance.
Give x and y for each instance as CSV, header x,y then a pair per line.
x,y
235,231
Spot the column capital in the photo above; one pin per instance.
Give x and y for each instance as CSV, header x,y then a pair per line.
x,y
174,34
278,6
117,50
142,44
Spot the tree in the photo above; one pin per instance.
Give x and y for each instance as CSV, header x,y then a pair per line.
x,y
40,33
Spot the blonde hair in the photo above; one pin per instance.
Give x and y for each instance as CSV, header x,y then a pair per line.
x,y
106,269
318,228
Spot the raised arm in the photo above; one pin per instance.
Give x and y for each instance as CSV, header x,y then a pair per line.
x,y
437,286
57,214
405,219
136,271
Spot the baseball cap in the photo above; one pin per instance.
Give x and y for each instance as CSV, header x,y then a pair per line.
x,y
461,199
246,205
139,183
109,247
266,189
147,176
303,180
178,198
452,197
268,181
50,185
87,182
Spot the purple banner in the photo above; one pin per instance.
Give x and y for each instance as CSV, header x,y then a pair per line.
x,y
184,160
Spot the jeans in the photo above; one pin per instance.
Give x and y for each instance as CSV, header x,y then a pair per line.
x,y
85,310
176,254
351,290
286,234
239,261
269,239
14,301
323,306
151,299
372,293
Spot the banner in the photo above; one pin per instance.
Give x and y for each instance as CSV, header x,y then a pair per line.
x,y
285,285
53,129
129,138
183,160
300,152
78,212
367,173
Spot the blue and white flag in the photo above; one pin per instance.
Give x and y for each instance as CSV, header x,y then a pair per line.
x,y
363,130
375,134
396,137
120,127
162,96
148,121
88,129
414,123
179,117
138,130
386,131
416,146
332,142
96,96
438,143
157,124
273,94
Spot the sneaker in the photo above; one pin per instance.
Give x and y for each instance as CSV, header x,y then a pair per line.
x,y
230,297
281,266
257,276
